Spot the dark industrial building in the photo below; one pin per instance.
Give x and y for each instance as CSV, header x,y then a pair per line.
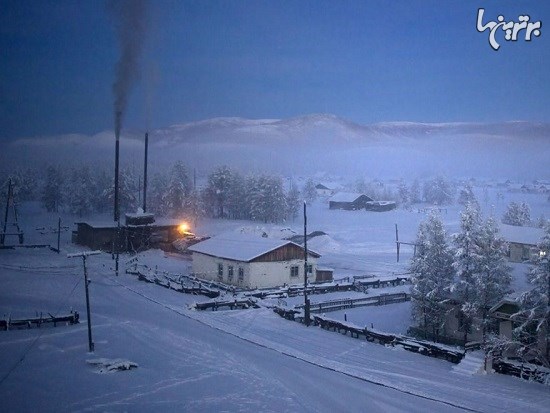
x,y
139,232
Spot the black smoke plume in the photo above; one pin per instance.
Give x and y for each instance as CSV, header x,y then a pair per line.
x,y
130,21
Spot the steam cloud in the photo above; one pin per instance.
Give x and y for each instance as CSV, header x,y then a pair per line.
x,y
130,23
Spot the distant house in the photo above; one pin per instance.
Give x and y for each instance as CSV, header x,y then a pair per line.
x,y
349,201
251,262
380,206
503,312
522,241
324,189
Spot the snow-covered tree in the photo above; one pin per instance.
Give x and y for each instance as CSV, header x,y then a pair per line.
x,y
267,199
102,182
155,197
542,222
492,281
466,194
179,186
467,264
236,202
438,191
293,202
517,214
80,192
403,193
414,193
127,192
534,317
219,182
52,192
432,277
309,191
361,186
193,207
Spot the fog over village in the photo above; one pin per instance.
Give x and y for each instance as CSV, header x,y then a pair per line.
x,y
275,206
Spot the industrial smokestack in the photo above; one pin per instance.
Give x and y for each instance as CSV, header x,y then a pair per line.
x,y
145,173
129,17
117,156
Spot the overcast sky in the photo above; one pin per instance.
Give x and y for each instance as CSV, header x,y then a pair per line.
x,y
367,61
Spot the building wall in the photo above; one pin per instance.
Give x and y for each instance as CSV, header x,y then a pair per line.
x,y
453,329
521,252
256,274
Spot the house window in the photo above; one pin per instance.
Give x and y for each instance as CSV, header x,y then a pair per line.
x,y
241,274
310,269
230,273
294,271
220,271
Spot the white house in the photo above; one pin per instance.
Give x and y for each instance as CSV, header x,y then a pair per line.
x,y
251,262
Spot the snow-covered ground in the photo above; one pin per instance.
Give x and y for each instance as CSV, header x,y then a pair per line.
x,y
249,360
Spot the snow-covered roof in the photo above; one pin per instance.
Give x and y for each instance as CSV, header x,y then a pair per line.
x,y
346,197
381,203
521,235
240,247
327,185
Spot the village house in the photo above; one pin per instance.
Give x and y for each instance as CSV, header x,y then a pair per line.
x,y
325,189
522,241
504,312
349,201
252,262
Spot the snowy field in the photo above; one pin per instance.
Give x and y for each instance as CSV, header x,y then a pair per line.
x,y
248,361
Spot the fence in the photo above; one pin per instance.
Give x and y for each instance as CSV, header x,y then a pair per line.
x,y
336,305
407,343
71,318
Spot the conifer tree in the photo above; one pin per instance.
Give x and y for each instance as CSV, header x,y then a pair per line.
x,y
432,277
309,191
52,192
467,263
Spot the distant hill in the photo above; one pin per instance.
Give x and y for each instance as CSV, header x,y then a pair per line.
x,y
316,142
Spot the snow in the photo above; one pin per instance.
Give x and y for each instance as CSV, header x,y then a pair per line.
x,y
345,197
521,235
249,360
239,247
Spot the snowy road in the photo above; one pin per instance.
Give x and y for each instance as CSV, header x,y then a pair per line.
x,y
184,365
201,361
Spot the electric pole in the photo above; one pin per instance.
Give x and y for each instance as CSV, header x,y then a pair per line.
x,y
84,255
306,299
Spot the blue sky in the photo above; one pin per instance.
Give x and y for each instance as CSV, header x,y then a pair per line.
x,y
367,61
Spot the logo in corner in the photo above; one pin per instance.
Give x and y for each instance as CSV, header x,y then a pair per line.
x,y
513,31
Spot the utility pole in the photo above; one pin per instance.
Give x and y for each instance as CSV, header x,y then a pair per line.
x,y
306,299
58,235
84,255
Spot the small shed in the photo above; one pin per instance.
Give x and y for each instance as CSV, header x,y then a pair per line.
x,y
324,189
522,241
349,201
250,261
380,206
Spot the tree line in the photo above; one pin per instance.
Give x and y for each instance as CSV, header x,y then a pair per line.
x,y
227,193
469,272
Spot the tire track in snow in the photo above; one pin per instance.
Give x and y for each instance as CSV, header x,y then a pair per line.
x,y
378,383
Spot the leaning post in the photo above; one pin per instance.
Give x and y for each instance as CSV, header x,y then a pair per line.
x,y
84,255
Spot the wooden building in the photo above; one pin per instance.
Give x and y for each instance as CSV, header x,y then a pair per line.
x,y
522,241
349,201
251,261
380,206
139,232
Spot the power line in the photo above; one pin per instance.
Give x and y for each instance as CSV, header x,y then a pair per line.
x,y
29,348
